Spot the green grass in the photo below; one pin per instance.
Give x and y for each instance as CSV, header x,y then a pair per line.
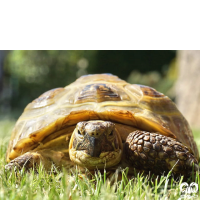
x,y
73,185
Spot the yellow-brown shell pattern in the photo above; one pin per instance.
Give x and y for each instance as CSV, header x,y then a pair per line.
x,y
100,96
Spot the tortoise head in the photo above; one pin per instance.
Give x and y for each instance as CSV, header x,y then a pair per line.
x,y
95,144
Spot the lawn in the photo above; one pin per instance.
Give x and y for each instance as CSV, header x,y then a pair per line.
x,y
73,185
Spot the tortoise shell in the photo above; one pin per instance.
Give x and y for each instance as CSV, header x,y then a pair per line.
x,y
92,97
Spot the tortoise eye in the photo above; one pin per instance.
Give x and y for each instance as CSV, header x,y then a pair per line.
x,y
111,133
79,132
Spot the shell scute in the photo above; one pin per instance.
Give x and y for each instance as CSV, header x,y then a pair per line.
x,y
48,95
149,91
97,93
100,92
46,98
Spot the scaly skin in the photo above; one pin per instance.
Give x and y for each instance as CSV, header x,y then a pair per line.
x,y
28,160
159,154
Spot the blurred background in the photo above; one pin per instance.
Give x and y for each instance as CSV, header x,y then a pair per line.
x,y
24,75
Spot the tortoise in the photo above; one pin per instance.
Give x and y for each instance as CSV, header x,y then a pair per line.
x,y
102,122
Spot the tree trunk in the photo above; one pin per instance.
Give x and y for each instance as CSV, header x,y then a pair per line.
x,y
188,86
2,54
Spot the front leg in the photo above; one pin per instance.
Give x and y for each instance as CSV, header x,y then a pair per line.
x,y
28,160
159,154
33,159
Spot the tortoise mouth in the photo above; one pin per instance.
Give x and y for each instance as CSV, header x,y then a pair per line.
x,y
95,144
105,160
